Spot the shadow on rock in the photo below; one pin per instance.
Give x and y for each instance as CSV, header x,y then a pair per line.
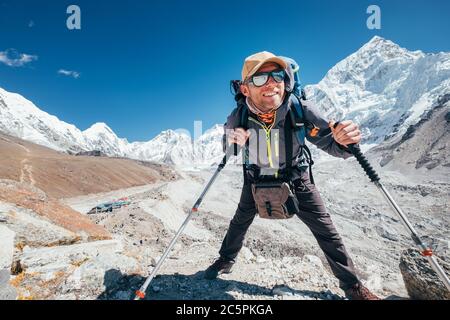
x,y
120,286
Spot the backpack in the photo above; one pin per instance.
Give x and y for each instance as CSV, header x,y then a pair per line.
x,y
299,124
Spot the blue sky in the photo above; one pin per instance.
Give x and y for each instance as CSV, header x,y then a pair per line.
x,y
147,66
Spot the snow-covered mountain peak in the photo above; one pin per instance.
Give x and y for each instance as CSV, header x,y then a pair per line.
x,y
171,136
383,87
99,127
100,130
101,137
370,62
381,45
215,130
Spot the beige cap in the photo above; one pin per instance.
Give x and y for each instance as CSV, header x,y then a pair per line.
x,y
255,61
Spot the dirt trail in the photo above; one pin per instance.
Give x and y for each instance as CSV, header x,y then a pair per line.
x,y
26,168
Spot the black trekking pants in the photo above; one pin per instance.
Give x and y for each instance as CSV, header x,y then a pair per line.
x,y
312,213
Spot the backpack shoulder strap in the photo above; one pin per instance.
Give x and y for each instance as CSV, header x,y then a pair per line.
x,y
289,146
243,122
297,118
299,124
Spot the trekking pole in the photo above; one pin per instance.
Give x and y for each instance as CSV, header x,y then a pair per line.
x,y
140,294
424,249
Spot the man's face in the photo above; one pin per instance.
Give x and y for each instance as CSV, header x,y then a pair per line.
x,y
268,96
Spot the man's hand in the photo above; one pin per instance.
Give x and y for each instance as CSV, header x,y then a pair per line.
x,y
346,132
238,136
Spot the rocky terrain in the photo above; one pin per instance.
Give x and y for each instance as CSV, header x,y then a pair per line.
x,y
280,259
424,144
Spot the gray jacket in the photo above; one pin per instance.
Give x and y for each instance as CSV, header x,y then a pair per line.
x,y
266,147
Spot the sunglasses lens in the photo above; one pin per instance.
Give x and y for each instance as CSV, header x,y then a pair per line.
x,y
278,76
260,80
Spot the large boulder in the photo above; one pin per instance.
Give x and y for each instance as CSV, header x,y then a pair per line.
x,y
6,247
54,259
6,257
79,271
421,282
7,292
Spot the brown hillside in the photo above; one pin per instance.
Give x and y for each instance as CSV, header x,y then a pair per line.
x,y
61,175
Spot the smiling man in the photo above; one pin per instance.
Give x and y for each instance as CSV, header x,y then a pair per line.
x,y
277,164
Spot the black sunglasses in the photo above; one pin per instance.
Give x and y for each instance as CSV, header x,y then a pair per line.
x,y
261,78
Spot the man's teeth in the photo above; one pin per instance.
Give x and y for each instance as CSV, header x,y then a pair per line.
x,y
269,94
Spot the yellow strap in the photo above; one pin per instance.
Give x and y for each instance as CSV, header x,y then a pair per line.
x,y
267,131
269,149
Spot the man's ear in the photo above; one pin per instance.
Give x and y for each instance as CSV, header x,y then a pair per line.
x,y
244,90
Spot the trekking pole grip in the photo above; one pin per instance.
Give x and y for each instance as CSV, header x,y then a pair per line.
x,y
362,160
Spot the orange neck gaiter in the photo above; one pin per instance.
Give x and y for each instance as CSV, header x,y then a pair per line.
x,y
265,117
268,117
